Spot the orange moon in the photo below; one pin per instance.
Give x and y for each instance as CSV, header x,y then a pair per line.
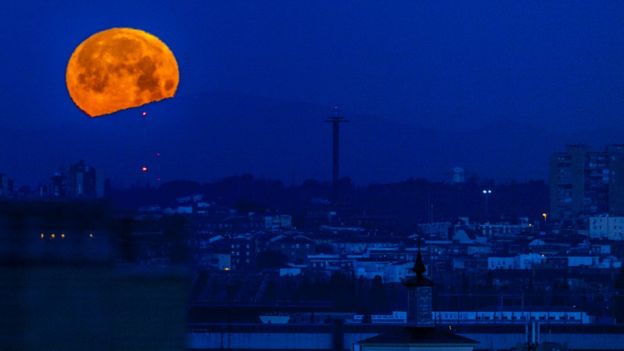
x,y
120,68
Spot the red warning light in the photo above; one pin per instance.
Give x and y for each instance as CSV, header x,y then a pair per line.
x,y
143,114
144,169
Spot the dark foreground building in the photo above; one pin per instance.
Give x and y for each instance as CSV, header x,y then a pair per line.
x,y
237,336
62,287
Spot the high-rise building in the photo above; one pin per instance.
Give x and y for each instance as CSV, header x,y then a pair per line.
x,y
81,182
585,182
459,175
6,185
616,179
57,188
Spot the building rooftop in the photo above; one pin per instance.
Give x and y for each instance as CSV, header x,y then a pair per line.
x,y
419,335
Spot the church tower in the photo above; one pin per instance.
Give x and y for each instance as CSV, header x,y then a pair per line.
x,y
419,291
419,333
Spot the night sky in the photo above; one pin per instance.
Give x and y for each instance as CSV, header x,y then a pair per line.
x,y
492,86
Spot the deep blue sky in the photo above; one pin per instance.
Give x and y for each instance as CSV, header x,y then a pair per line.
x,y
459,65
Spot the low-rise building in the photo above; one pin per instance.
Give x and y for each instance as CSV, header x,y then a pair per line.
x,y
243,250
505,229
389,271
331,263
296,247
217,260
522,261
277,222
501,263
512,317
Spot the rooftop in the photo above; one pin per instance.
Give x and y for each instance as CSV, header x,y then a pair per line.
x,y
419,335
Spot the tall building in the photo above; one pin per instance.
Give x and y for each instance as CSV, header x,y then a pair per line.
x,y
616,179
81,181
585,182
459,176
6,185
57,187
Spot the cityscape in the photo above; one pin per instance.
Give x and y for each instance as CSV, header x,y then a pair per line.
x,y
254,252
157,240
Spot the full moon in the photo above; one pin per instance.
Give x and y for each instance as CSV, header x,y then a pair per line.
x,y
120,68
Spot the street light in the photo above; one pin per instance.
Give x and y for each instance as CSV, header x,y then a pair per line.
x,y
486,195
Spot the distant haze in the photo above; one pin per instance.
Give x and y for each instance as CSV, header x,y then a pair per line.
x,y
220,134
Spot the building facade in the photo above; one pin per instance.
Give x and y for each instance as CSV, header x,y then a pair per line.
x,y
81,181
606,227
584,182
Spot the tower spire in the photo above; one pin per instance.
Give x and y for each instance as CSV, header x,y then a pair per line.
x,y
419,292
419,269
419,266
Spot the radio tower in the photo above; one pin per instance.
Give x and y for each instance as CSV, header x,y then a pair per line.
x,y
336,119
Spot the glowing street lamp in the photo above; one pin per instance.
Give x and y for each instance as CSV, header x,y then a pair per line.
x,y
486,195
